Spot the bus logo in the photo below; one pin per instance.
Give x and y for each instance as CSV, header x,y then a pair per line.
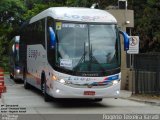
x,y
34,54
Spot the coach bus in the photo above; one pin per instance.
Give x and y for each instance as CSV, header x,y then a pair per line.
x,y
73,53
16,65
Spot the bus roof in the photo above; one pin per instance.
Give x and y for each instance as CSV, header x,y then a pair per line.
x,y
76,14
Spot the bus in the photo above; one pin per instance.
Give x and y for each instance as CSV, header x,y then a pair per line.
x,y
16,65
73,53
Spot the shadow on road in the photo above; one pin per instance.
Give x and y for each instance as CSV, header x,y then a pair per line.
x,y
77,103
18,81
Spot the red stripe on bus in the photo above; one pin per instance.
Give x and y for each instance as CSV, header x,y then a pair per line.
x,y
38,80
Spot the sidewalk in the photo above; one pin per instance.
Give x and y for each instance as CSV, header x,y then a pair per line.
x,y
149,99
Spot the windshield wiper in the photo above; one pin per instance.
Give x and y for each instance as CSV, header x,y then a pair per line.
x,y
81,60
93,59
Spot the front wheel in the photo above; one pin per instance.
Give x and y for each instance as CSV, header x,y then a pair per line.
x,y
26,84
47,98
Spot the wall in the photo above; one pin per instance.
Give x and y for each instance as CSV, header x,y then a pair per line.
x,y
124,16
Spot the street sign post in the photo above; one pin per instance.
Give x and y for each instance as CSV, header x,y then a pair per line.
x,y
133,45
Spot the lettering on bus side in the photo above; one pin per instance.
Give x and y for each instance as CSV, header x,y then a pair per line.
x,y
81,78
82,18
34,54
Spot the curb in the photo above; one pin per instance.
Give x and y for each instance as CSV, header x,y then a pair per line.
x,y
129,96
145,101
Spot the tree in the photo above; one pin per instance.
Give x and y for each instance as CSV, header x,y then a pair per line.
x,y
147,24
37,8
88,3
14,12
10,19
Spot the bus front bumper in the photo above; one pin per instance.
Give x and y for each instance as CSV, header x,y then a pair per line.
x,y
60,90
18,76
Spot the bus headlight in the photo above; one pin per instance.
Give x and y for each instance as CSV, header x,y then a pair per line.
x,y
62,81
117,92
58,79
115,82
57,91
18,71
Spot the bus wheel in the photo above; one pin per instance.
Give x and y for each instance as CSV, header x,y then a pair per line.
x,y
26,84
47,98
44,89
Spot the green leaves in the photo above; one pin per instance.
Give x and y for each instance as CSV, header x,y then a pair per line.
x,y
147,24
37,8
14,12
88,3
10,19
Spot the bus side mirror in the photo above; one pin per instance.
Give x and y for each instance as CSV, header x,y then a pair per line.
x,y
52,37
126,40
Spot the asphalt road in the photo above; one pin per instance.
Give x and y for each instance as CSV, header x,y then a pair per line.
x,y
31,102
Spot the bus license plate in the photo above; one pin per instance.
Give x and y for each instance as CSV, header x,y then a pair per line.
x,y
89,92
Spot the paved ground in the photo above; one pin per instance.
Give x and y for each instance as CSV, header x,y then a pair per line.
x,y
32,101
148,99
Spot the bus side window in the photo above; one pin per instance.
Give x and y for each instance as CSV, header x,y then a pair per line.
x,y
51,41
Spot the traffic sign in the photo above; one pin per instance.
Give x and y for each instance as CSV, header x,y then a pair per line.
x,y
133,45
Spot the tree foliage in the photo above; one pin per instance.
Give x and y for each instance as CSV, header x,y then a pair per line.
x,y
38,8
10,18
14,12
88,3
147,24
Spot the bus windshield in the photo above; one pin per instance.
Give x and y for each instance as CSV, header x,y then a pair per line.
x,y
87,47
